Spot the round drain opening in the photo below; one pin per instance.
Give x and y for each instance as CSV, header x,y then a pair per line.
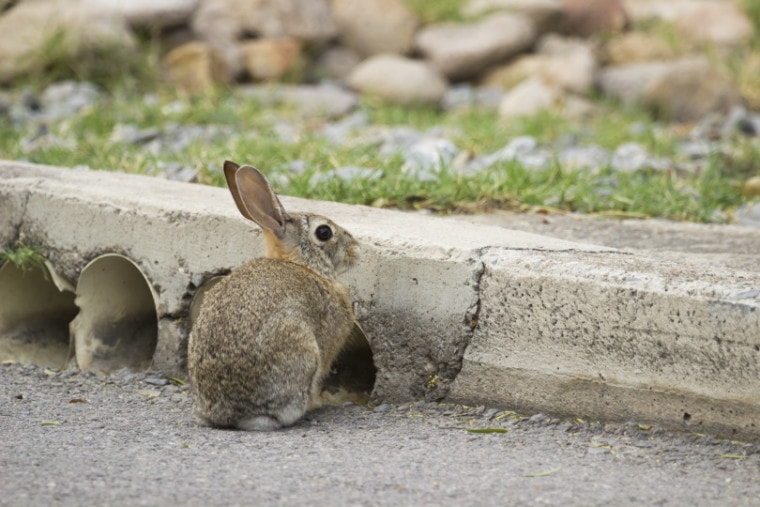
x,y
36,307
117,325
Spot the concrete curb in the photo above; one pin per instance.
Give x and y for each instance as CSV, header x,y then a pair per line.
x,y
464,312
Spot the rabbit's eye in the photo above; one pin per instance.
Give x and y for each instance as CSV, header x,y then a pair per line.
x,y
323,233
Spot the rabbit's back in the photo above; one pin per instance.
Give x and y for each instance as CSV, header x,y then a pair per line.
x,y
264,338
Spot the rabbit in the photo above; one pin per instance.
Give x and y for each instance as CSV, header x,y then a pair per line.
x,y
266,335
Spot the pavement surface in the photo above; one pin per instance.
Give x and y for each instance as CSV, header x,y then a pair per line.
x,y
728,246
71,438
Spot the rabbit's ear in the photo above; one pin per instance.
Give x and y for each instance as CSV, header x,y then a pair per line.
x,y
255,198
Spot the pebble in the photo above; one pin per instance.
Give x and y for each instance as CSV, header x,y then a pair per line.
x,y
156,381
428,155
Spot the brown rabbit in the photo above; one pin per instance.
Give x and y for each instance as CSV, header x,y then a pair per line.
x,y
266,335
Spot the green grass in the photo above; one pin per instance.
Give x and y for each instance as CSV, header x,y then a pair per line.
x,y
253,139
23,257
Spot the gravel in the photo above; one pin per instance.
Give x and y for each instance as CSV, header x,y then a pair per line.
x,y
70,438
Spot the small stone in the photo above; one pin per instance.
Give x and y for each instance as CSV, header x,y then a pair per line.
x,y
592,158
538,418
397,139
338,132
66,98
156,381
630,157
521,149
431,154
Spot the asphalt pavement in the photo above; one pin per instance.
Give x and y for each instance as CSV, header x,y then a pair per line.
x,y
72,438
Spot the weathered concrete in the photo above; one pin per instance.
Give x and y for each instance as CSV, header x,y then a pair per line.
x,y
532,322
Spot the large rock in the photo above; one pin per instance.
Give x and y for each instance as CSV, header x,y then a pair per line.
x,y
530,97
398,79
635,47
271,59
682,90
588,17
375,26
195,67
34,34
152,13
336,63
566,63
546,14
222,22
461,51
721,23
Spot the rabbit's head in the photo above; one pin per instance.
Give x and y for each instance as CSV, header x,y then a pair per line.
x,y
312,240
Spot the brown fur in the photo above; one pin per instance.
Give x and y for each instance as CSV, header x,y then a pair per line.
x,y
266,335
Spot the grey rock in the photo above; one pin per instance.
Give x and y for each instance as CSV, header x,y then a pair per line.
x,y
739,120
43,139
177,171
630,157
538,418
338,132
153,13
222,22
522,149
465,95
128,133
464,50
429,155
629,82
546,14
156,381
397,139
591,158
67,98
